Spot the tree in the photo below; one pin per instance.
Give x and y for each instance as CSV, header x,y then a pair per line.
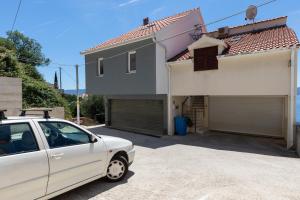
x,y
72,103
35,91
92,105
28,50
55,81
6,44
8,62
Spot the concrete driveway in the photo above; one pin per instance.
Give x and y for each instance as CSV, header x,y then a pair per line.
x,y
209,167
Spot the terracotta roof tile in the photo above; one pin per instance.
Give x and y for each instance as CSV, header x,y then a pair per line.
x,y
271,38
143,31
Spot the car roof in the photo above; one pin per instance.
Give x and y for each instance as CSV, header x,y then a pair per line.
x,y
26,118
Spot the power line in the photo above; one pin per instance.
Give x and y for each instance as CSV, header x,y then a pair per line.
x,y
36,62
164,39
119,54
241,12
69,75
187,31
16,15
218,20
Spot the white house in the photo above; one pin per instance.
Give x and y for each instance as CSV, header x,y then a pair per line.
x,y
241,79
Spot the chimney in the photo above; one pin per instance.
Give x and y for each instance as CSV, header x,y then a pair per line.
x,y
146,21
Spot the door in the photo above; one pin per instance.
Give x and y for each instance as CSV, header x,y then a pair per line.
x,y
73,156
247,114
144,116
23,163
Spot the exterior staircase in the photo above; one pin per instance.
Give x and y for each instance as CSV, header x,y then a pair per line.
x,y
195,110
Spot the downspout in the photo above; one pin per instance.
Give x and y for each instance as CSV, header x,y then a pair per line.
x,y
291,133
169,97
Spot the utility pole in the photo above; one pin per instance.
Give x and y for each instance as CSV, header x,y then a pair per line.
x,y
60,85
77,88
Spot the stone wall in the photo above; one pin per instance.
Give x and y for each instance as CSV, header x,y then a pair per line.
x,y
11,95
57,112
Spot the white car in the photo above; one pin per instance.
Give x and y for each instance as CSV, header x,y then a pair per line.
x,y
43,157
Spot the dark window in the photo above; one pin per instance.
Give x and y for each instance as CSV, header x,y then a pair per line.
x,y
100,67
205,58
131,62
60,134
16,138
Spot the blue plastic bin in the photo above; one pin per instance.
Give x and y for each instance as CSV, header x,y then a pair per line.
x,y
180,125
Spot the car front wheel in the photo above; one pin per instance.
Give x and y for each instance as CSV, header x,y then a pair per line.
x,y
117,169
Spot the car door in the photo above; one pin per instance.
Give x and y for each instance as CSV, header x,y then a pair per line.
x,y
23,161
73,156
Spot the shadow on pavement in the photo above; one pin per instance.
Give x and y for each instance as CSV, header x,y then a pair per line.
x,y
213,140
92,189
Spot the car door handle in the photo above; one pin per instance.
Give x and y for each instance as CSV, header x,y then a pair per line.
x,y
57,156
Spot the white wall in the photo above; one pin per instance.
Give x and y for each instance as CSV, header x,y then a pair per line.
x,y
167,49
179,43
260,74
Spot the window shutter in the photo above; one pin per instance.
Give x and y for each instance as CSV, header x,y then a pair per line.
x,y
199,59
205,58
212,61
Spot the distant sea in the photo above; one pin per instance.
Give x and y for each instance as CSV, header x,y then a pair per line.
x,y
74,92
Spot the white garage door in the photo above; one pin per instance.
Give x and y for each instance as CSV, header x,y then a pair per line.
x,y
252,115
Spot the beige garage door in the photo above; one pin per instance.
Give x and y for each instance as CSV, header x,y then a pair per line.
x,y
252,115
144,116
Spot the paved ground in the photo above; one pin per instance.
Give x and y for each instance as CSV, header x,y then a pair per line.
x,y
214,166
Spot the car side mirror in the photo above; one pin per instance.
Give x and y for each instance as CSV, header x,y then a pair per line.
x,y
93,139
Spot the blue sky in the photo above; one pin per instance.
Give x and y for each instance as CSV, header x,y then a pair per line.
x,y
66,27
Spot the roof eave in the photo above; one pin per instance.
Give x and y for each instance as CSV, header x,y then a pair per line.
x,y
117,45
268,51
187,61
283,49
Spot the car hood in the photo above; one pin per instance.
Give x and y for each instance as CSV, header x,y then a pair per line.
x,y
116,142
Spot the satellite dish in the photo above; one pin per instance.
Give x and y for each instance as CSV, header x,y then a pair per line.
x,y
251,12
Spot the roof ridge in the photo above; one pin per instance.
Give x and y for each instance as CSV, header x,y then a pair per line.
x,y
152,22
258,31
180,13
143,30
251,24
258,22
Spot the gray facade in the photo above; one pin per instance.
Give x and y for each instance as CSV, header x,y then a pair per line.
x,y
131,100
115,80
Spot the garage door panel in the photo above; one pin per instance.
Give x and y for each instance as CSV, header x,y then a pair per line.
x,y
144,116
254,115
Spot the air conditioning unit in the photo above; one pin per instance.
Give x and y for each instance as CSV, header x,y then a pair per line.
x,y
223,32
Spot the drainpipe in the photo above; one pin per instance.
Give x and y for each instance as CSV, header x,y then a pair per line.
x,y
169,97
292,99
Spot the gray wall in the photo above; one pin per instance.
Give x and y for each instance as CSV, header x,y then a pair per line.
x,y
115,80
11,95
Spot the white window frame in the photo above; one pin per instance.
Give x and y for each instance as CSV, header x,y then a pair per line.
x,y
99,68
129,71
